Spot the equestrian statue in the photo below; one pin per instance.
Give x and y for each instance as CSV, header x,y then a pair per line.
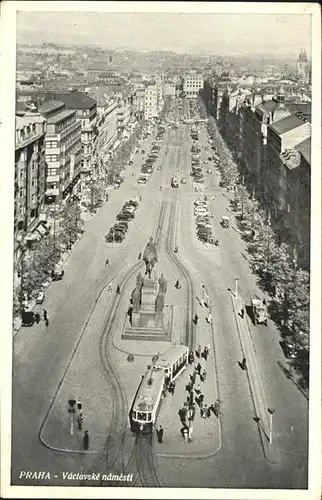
x,y
150,256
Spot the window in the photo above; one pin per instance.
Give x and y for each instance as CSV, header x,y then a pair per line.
x,y
51,144
52,171
34,182
21,192
21,174
51,157
142,416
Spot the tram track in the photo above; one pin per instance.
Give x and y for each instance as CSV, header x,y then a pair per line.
x,y
114,444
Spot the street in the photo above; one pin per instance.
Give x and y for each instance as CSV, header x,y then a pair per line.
x,y
44,358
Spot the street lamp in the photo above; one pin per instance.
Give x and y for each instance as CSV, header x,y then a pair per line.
x,y
270,411
236,287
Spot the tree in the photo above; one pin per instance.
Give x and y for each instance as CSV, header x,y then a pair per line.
x,y
71,224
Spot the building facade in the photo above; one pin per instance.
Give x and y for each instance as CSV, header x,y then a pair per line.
x,y
192,84
30,171
63,150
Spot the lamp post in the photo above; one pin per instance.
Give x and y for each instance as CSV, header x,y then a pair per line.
x,y
236,287
270,411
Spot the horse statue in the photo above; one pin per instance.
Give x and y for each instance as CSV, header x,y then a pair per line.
x,y
150,256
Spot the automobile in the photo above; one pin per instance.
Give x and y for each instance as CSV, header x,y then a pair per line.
x,y
133,202
120,226
289,348
142,180
122,216
209,171
199,180
201,211
130,162
130,206
57,274
183,180
40,298
117,186
127,212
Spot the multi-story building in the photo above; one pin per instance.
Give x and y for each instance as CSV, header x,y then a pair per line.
x,y
107,134
139,100
169,89
192,84
63,150
151,101
30,172
86,113
283,177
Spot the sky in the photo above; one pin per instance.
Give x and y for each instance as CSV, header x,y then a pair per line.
x,y
243,34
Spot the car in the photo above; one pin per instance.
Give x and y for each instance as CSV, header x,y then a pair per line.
x,y
117,186
128,213
142,180
119,227
122,216
289,348
183,180
134,203
40,298
131,162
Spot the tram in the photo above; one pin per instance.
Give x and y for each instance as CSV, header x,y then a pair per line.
x,y
146,404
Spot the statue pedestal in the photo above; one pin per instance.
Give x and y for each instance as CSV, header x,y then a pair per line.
x,y
146,323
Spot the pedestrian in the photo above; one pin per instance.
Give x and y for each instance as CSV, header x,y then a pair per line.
x,y
204,375
118,289
216,407
46,322
201,398
185,433
107,263
198,368
140,255
86,440
190,431
199,351
177,285
195,319
45,314
209,318
201,377
202,412
80,421
208,411
242,312
205,414
198,389
37,318
79,404
160,434
243,363
109,288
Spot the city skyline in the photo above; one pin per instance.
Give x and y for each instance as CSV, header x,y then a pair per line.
x,y
235,34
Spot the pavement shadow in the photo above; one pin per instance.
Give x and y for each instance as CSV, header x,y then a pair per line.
x,y
249,312
258,422
241,366
288,374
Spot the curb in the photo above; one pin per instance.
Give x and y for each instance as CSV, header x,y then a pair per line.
x,y
269,452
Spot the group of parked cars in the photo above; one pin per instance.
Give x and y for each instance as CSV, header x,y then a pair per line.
x,y
196,167
147,167
203,221
118,232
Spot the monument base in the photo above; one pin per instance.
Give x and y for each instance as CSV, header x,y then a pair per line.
x,y
150,326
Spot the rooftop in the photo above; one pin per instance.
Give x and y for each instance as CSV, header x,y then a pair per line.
x,y
305,149
286,124
50,106
28,119
60,116
75,99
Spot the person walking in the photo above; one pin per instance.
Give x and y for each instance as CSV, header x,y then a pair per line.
x,y
201,398
242,312
198,389
177,285
107,263
209,318
198,368
45,314
204,375
80,421
205,414
243,363
195,319
140,255
202,412
160,434
37,317
79,404
208,412
216,407
47,321
86,440
118,289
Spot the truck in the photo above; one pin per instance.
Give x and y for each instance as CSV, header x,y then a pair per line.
x,y
175,181
259,310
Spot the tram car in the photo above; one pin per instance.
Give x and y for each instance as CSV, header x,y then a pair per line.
x,y
145,407
173,361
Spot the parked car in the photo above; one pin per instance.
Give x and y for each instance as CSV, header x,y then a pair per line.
x,y
57,274
142,180
40,298
289,348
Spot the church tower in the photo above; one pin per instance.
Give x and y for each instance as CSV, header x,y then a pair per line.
x,y
302,66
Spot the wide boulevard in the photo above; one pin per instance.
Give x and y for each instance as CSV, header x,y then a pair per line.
x,y
42,355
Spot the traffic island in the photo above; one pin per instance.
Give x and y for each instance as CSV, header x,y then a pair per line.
x,y
263,411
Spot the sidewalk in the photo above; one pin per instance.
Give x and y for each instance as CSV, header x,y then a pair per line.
x,y
206,436
255,380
